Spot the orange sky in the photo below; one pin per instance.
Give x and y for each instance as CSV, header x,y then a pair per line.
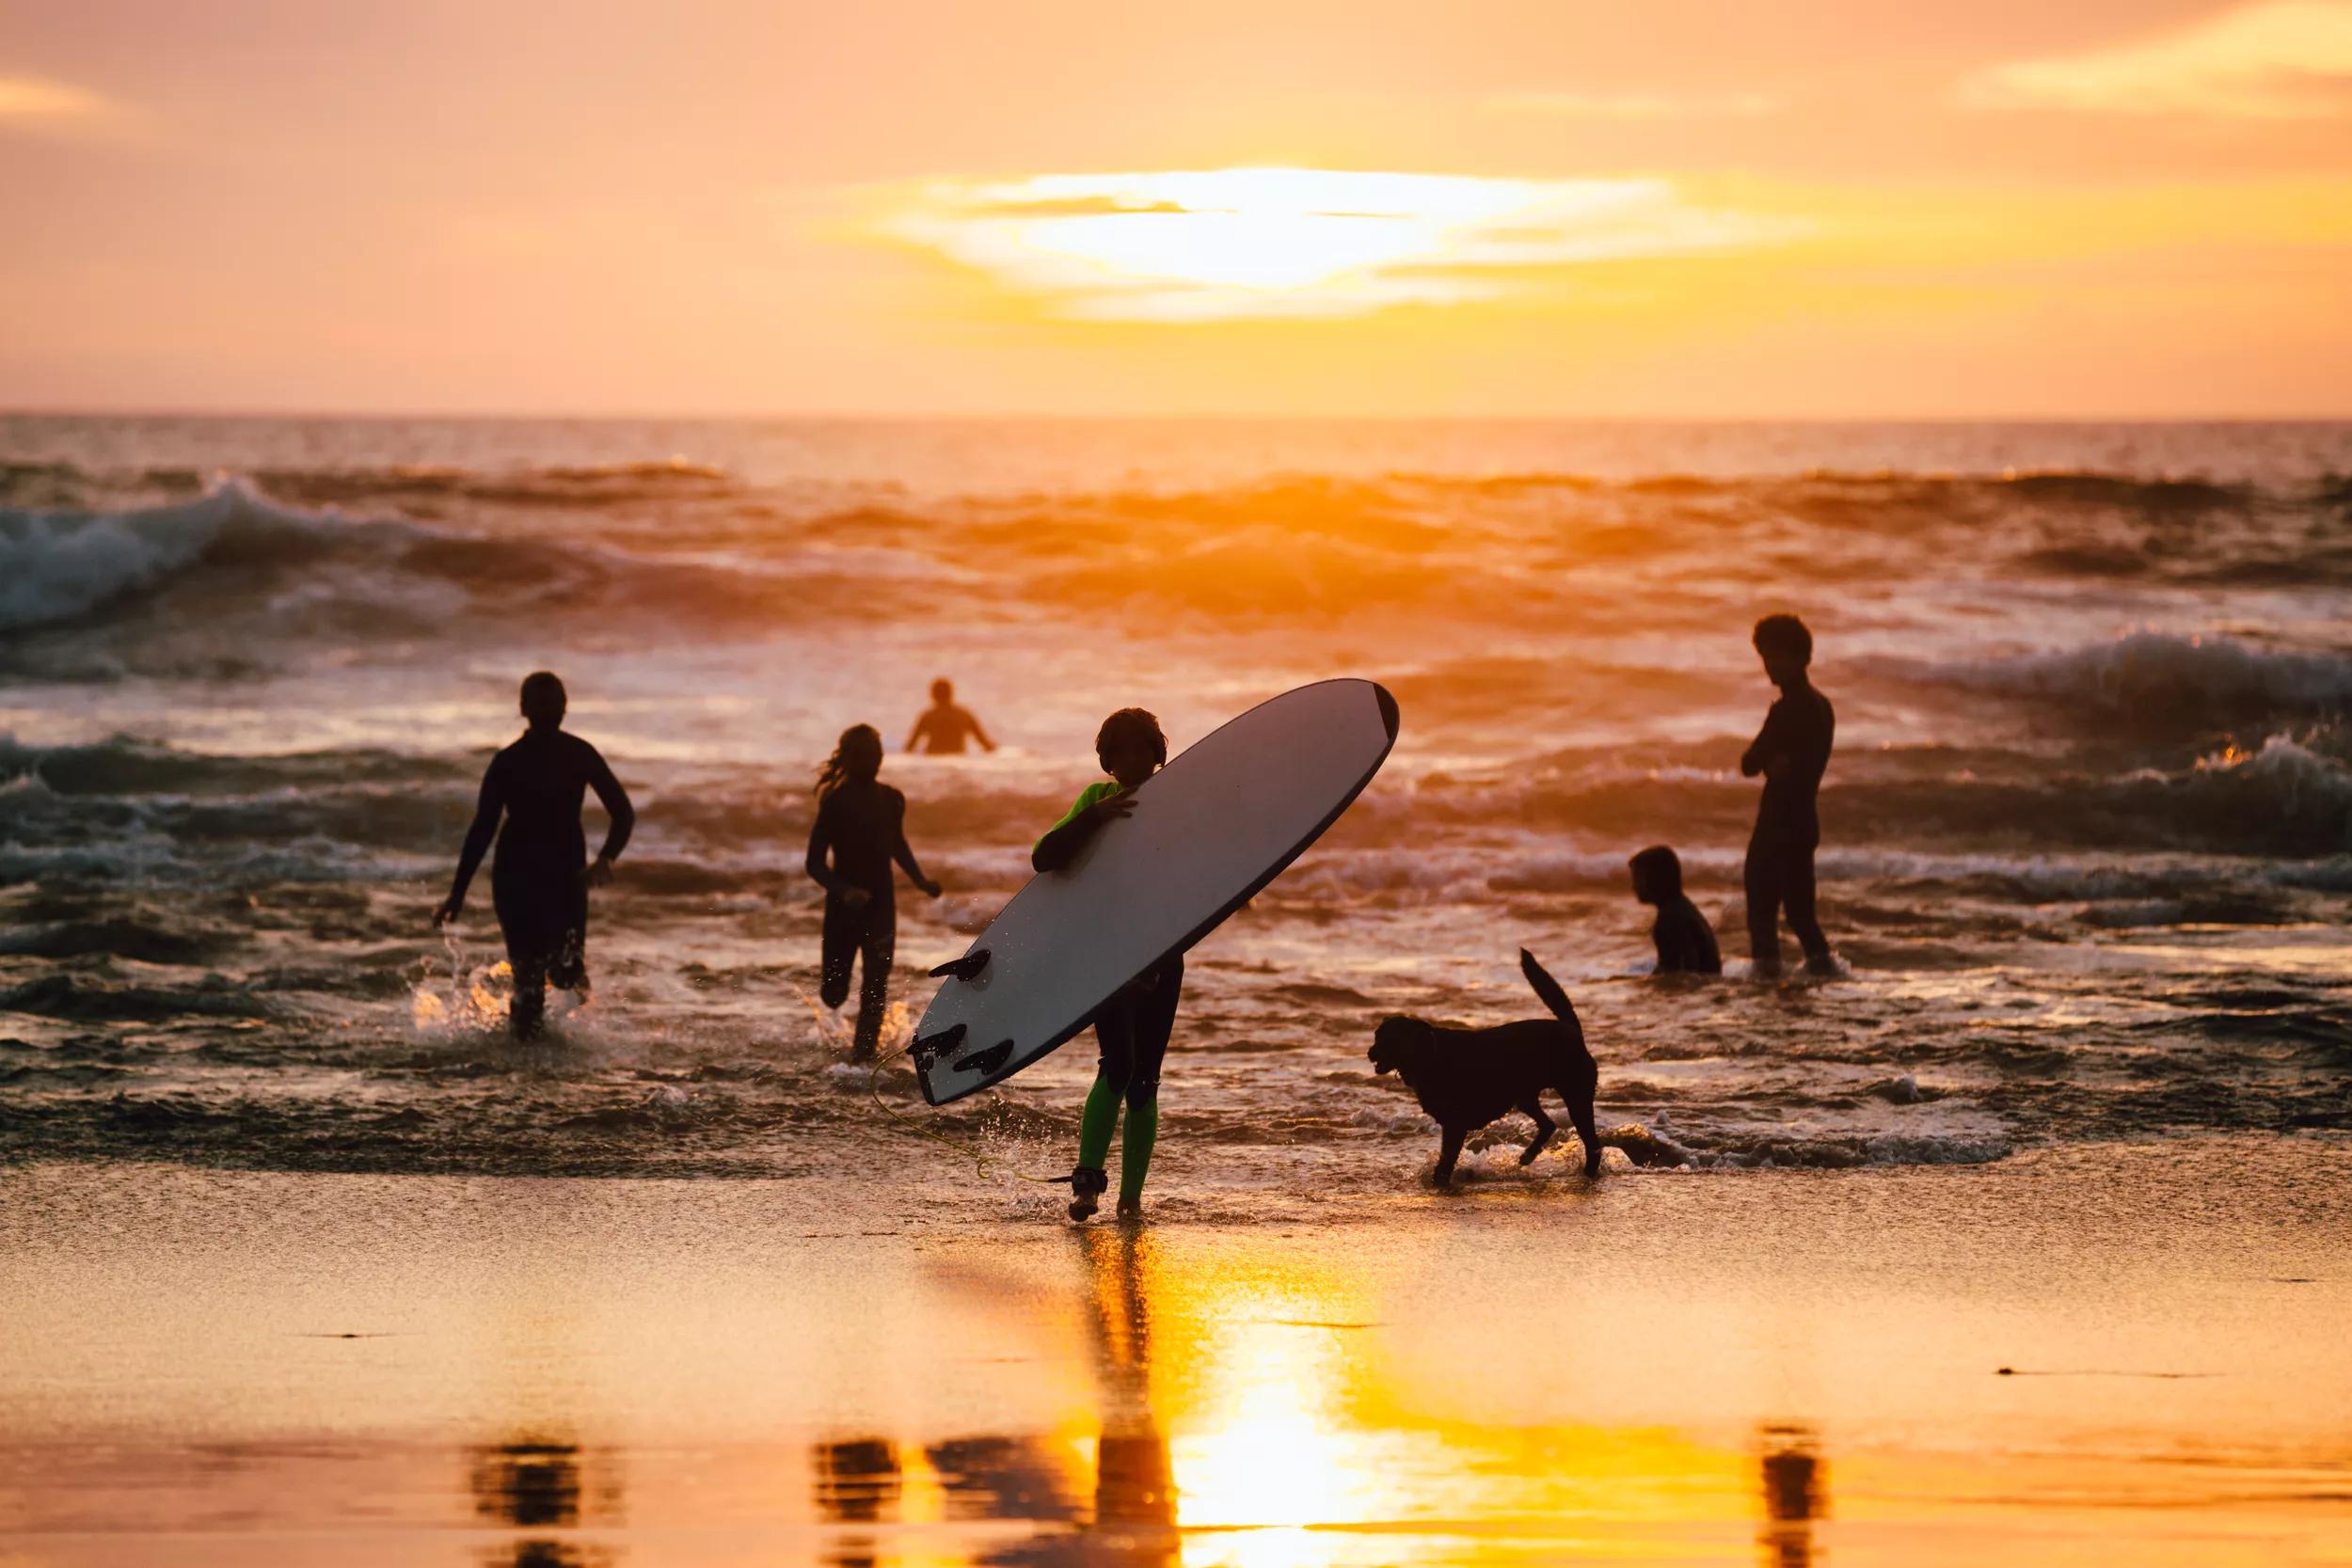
x,y
1865,208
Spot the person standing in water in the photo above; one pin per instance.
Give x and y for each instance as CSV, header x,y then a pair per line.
x,y
1133,1027
861,825
943,727
1793,752
539,883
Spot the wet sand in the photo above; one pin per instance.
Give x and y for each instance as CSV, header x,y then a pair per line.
x,y
1789,1368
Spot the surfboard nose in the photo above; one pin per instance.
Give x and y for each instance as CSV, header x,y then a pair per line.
x,y
1388,707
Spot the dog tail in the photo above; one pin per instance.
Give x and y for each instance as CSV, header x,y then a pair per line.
x,y
1547,989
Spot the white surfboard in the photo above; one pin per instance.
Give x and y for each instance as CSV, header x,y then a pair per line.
x,y
1209,830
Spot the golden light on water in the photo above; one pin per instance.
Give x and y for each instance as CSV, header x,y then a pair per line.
x,y
1196,244
1276,1453
464,999
1265,1405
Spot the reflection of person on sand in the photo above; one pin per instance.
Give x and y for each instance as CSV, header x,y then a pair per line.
x,y
1133,1487
1133,1027
1796,1493
531,1483
1793,752
538,883
943,727
861,824
1686,943
858,1480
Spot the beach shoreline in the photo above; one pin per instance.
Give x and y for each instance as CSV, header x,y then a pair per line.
x,y
255,1367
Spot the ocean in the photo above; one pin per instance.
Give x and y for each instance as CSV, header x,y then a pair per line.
x,y
2087,829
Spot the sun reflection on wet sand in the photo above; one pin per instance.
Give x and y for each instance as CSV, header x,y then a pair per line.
x,y
1236,1422
261,1371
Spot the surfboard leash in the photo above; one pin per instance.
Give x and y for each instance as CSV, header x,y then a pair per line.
x,y
981,1160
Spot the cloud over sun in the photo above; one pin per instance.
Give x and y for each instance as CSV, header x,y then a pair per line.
x,y
1209,245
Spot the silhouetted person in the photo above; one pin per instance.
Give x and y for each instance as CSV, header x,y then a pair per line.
x,y
539,882
1134,1026
1686,943
943,727
861,823
1793,752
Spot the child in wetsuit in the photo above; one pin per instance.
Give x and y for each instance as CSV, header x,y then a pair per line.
x,y
1133,1027
539,882
1793,752
1686,943
861,824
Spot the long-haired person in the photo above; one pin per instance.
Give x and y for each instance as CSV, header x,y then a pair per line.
x,y
860,829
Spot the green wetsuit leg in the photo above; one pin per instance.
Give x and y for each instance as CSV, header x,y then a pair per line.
x,y
1133,1029
1099,1121
1134,1149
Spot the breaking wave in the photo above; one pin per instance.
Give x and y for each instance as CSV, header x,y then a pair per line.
x,y
59,566
2159,678
251,569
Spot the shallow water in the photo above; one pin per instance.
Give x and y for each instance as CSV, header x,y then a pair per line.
x,y
2089,825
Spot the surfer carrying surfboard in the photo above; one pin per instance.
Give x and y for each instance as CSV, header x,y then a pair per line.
x,y
1134,1026
861,824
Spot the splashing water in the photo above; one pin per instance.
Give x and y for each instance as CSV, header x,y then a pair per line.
x,y
459,997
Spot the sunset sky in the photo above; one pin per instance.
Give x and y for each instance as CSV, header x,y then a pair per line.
x,y
1817,208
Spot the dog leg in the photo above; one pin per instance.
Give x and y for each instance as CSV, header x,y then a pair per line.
x,y
1544,1129
1580,1112
1449,1151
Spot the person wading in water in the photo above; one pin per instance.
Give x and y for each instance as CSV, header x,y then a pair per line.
x,y
861,825
539,883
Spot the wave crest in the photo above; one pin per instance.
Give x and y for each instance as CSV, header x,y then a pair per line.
x,y
61,567
2161,678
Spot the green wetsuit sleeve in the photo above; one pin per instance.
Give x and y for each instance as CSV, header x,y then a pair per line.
x,y
1087,796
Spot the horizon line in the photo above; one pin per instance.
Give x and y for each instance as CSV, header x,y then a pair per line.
x,y
1041,417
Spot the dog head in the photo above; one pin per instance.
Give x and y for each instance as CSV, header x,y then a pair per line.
x,y
1400,1045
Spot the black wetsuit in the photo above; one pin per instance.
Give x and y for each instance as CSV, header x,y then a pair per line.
x,y
1798,730
1132,1029
1686,943
536,882
943,730
864,826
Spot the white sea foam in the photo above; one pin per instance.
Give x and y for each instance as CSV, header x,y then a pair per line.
x,y
54,566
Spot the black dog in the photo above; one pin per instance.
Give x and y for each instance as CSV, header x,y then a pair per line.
x,y
1465,1078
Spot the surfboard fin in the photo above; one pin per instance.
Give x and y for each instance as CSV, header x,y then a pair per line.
x,y
984,1061
966,968
927,1049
